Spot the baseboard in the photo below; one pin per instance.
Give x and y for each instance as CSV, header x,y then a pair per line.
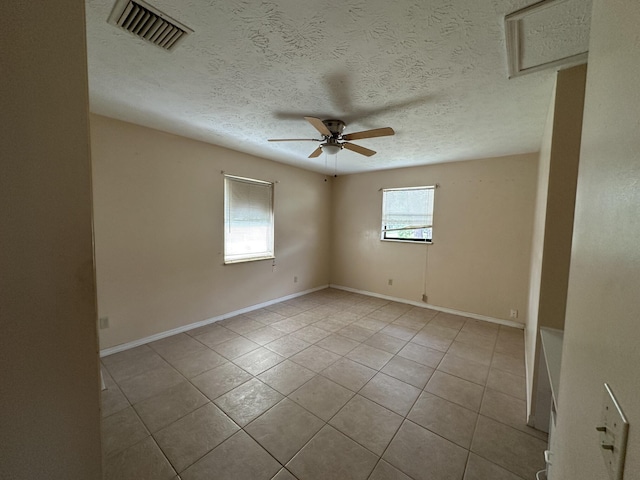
x,y
158,336
475,316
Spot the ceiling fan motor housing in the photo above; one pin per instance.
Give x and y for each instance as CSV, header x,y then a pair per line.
x,y
336,127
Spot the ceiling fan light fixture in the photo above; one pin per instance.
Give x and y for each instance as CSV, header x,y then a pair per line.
x,y
331,148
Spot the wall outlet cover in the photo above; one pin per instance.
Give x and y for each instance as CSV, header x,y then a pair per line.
x,y
614,429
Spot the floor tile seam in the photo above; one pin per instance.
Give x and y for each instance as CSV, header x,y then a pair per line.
x,y
153,435
451,401
177,419
497,464
141,422
282,465
106,459
117,382
356,441
380,459
291,359
404,417
509,354
227,391
146,398
351,390
516,430
260,373
244,428
341,433
419,426
315,414
305,443
468,449
298,387
183,355
122,450
506,393
501,421
440,326
447,400
241,429
474,344
369,366
507,371
117,387
461,378
478,334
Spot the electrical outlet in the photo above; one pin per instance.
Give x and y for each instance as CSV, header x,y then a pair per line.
x,y
513,313
103,322
295,279
424,298
390,281
614,430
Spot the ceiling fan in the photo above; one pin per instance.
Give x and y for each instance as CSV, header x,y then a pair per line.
x,y
333,140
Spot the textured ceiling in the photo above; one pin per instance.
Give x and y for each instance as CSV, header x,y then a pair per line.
x,y
435,71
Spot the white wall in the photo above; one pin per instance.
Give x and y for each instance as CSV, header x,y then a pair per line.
x,y
49,388
553,225
483,220
602,327
158,202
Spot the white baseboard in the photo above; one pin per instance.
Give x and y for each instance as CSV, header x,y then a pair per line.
x,y
475,316
158,336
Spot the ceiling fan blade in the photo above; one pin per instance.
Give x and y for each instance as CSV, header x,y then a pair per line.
x,y
318,125
294,140
376,132
316,153
358,149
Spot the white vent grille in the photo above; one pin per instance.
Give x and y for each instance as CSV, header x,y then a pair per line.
x,y
148,23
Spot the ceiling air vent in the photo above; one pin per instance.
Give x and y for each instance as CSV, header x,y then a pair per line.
x,y
148,23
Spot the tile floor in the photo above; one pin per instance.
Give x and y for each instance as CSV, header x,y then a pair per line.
x,y
331,385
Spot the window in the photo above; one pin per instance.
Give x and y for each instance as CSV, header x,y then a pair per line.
x,y
407,214
248,219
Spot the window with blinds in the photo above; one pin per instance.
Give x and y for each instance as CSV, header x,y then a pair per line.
x,y
248,219
407,214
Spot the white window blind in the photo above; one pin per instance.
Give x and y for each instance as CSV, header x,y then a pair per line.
x,y
407,214
248,219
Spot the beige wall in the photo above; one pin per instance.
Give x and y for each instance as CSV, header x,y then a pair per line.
x,y
483,219
50,390
537,250
159,237
602,326
555,202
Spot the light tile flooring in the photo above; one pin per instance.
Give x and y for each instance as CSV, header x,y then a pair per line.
x,y
331,385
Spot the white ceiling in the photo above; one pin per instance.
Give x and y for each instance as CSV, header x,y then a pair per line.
x,y
435,71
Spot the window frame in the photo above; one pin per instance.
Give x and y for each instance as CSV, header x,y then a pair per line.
x,y
251,257
418,241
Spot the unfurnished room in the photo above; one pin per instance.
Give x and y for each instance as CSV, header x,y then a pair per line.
x,y
320,240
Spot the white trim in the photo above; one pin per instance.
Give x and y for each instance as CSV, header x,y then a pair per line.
x,y
158,336
475,316
514,36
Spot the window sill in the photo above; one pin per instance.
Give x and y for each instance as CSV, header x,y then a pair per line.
x,y
406,241
245,260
